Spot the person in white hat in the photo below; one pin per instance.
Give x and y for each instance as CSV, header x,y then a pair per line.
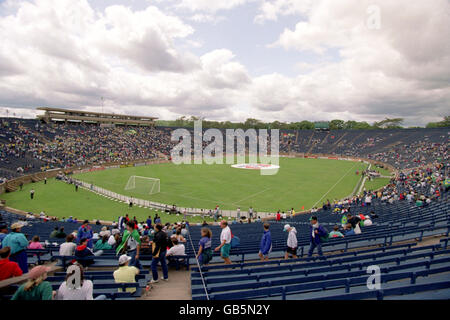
x,y
18,243
125,273
292,243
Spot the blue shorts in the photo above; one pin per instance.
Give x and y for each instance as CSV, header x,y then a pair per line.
x,y
225,250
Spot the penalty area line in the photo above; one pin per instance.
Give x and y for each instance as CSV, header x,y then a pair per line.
x,y
334,185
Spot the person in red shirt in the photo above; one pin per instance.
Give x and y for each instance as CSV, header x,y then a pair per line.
x,y
8,269
278,216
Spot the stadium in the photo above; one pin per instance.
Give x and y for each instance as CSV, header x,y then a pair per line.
x,y
142,203
400,187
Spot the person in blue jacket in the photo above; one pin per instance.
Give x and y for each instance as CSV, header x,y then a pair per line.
x,y
316,231
266,243
149,222
85,232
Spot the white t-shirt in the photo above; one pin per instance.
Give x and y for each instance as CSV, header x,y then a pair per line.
x,y
225,235
178,250
67,249
292,239
132,244
111,240
83,293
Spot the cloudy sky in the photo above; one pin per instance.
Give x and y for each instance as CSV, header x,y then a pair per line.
x,y
286,60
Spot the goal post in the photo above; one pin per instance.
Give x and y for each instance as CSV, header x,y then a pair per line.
x,y
143,185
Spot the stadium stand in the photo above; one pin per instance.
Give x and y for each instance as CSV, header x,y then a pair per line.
x,y
29,146
414,207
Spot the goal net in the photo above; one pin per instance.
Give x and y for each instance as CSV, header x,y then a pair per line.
x,y
143,185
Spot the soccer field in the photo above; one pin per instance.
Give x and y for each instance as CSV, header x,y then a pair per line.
x,y
59,199
298,183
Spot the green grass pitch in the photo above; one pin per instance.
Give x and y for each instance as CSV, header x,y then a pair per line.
x,y
298,183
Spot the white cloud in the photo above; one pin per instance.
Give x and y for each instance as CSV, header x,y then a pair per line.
x,y
207,18
400,69
67,54
211,6
270,10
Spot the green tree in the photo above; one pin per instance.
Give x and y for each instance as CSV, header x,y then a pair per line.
x,y
445,123
394,123
337,124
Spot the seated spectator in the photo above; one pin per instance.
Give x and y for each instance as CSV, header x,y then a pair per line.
x,y
104,232
112,240
3,233
146,248
35,243
102,244
36,288
61,234
8,269
184,231
367,221
419,203
30,216
353,220
179,236
115,231
54,233
126,273
348,230
84,254
67,291
68,248
177,249
336,233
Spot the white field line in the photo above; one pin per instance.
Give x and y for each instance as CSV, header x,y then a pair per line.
x,y
250,196
364,181
334,185
199,199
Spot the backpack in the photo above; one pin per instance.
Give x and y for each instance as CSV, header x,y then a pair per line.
x,y
235,241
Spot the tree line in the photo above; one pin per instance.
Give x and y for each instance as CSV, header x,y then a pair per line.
x,y
337,124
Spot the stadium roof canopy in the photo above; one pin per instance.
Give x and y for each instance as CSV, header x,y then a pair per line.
x,y
59,114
